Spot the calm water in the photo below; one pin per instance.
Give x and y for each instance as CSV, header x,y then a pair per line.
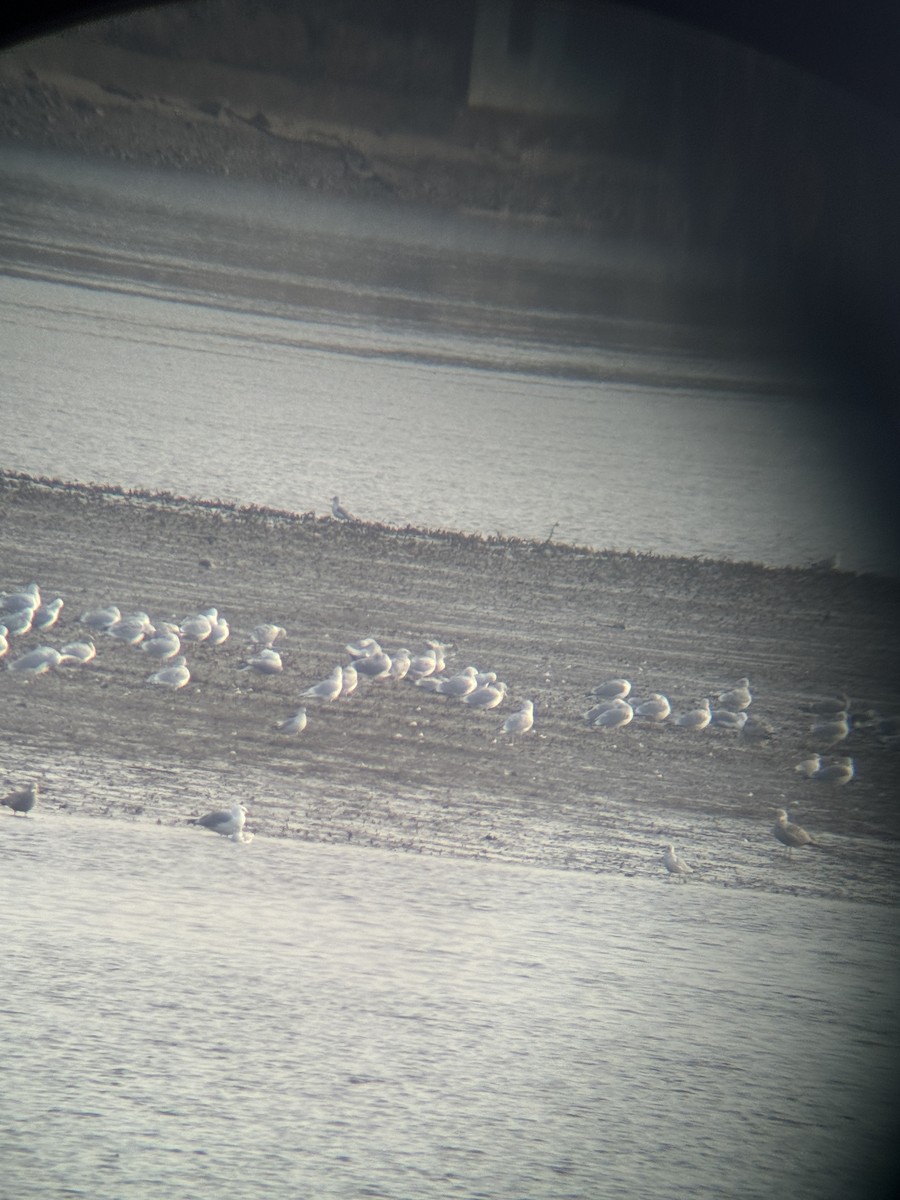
x,y
268,347
183,1016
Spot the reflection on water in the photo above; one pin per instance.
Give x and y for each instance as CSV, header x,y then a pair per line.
x,y
186,1016
260,346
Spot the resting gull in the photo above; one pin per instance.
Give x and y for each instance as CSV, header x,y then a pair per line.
x,y
267,662
373,666
675,865
422,665
809,766
831,731
838,773
655,708
612,689
197,627
130,629
789,835
328,689
338,511
460,685
725,718
265,636
486,697
828,706
18,623
757,729
226,822
76,654
29,597
616,716
174,676
364,648
47,615
22,802
101,618
219,632
430,683
295,724
695,718
36,662
400,661
737,697
162,646
521,721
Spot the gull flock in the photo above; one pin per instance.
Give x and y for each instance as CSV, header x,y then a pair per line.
x,y
165,647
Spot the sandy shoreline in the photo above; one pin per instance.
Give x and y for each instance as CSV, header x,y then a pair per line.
x,y
395,768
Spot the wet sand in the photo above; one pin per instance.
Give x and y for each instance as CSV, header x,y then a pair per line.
x,y
395,768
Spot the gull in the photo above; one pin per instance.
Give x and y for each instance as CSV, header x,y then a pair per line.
x,y
696,718
174,676
675,865
484,677
22,802
47,615
226,821
831,731
349,680
596,710
101,618
655,708
400,662
329,689
265,636
616,716
430,683
77,653
422,665
486,697
809,766
129,629
162,646
196,628
338,511
29,597
612,689
459,685
4,641
219,632
36,662
439,651
18,623
791,836
738,697
366,647
839,772
726,719
294,724
267,662
373,666
521,721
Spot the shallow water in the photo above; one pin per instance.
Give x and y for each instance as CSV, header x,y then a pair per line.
x,y
262,346
186,1016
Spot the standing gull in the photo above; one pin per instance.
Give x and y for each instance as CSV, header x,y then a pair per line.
x,y
338,511
349,680
791,836
226,822
521,721
675,865
294,724
22,802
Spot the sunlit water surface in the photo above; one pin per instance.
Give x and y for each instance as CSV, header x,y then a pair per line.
x,y
183,1016
265,346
